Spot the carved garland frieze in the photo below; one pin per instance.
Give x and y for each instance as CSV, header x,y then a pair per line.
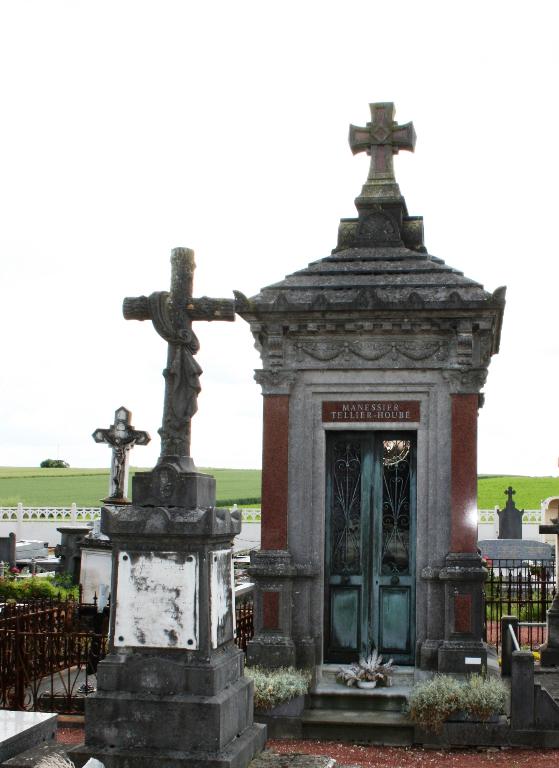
x,y
324,351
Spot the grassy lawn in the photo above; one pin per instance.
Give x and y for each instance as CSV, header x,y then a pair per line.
x,y
530,491
36,487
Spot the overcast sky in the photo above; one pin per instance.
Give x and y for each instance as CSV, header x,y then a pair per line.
x,y
130,128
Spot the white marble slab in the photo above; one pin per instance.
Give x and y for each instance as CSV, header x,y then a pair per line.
x,y
157,600
22,730
221,595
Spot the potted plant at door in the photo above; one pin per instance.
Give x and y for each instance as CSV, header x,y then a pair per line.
x,y
279,699
445,699
367,673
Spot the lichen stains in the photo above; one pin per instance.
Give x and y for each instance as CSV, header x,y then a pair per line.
x,y
172,636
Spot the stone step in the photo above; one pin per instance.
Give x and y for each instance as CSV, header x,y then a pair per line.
x,y
336,696
389,728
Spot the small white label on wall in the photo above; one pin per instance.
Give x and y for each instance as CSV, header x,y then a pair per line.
x,y
472,660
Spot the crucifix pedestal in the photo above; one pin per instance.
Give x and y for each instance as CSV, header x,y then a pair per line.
x,y
549,653
171,693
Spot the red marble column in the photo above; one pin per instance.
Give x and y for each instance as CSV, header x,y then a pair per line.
x,y
275,472
463,537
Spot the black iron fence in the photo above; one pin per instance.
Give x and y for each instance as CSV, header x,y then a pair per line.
x,y
520,588
48,651
244,616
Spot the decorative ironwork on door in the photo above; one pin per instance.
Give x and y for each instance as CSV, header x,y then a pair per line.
x,y
346,509
395,555
370,542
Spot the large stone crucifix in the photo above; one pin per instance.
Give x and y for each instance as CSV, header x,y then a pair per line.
x,y
172,313
381,139
122,437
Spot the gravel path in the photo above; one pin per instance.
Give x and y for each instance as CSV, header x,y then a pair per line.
x,y
391,757
411,757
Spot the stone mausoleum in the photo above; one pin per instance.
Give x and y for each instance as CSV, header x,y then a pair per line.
x,y
373,364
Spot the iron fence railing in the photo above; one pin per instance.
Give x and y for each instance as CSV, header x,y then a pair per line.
x,y
520,588
244,615
48,650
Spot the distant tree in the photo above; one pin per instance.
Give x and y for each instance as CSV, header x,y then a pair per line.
x,y
55,463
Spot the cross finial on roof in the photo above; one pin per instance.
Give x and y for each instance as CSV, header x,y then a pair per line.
x,y
381,139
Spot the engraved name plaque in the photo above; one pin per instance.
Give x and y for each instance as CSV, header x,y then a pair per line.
x,y
370,410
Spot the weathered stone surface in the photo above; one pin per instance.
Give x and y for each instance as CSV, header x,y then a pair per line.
x,y
237,754
172,313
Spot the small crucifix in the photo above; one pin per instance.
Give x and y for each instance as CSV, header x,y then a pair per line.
x,y
172,313
381,139
122,437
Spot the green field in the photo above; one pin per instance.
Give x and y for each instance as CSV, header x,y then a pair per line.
x,y
36,487
530,491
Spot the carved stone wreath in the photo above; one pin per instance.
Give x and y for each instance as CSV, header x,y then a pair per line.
x,y
325,351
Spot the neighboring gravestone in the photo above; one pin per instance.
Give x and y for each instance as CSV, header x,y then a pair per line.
x,y
171,691
96,567
510,551
69,550
8,550
550,651
510,518
122,437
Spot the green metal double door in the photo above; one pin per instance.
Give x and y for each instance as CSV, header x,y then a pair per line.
x,y
370,545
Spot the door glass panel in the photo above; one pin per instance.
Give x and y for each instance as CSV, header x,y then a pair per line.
x,y
395,619
395,558
346,509
344,632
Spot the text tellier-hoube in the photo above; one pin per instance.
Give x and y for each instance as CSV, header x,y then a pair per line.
x,y
371,410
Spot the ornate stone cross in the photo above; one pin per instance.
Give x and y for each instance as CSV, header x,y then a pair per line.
x,y
381,139
509,493
172,313
122,437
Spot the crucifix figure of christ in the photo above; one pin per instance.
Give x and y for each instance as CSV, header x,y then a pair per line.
x,y
172,313
122,437
381,139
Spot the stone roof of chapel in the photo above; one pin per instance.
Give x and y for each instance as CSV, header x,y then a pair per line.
x,y
380,262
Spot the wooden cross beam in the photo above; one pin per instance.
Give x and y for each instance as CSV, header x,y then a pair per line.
x,y
172,313
381,139
122,437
